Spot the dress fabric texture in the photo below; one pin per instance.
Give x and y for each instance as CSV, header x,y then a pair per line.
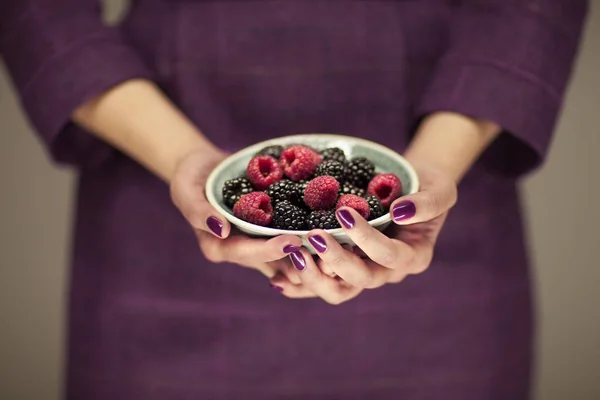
x,y
150,318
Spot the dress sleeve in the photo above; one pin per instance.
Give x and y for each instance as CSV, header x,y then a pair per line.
x,y
59,54
509,62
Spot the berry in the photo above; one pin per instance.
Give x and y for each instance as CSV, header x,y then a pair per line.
x,y
348,188
321,193
233,189
288,216
376,210
333,154
273,151
263,171
322,219
331,168
357,203
255,208
299,162
359,171
285,190
386,187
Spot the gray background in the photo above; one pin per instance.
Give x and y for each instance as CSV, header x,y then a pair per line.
x,y
564,220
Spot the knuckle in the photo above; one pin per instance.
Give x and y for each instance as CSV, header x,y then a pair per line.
x,y
433,205
335,299
337,261
212,254
363,235
388,259
420,267
364,279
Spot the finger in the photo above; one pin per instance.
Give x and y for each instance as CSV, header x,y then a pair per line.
x,y
241,249
329,289
425,205
392,276
187,193
288,289
342,262
387,252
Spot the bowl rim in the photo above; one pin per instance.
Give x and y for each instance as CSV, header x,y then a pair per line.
x,y
268,231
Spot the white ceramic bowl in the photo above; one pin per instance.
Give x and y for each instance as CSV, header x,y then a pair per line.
x,y
384,159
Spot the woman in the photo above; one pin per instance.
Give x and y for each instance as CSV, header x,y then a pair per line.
x,y
469,91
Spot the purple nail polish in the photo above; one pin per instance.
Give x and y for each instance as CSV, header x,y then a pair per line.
x,y
346,218
298,260
318,243
277,288
404,210
215,225
290,248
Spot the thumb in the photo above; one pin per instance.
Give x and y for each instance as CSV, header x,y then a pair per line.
x,y
431,202
187,193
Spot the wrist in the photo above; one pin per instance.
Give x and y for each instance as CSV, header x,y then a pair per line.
x,y
450,143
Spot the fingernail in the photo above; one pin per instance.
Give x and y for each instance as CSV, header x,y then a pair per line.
x,y
298,260
290,248
277,288
404,210
318,243
346,218
215,225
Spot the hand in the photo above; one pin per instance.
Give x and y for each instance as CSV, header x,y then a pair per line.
x,y
340,274
215,236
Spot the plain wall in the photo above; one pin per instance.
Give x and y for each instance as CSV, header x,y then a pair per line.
x,y
563,211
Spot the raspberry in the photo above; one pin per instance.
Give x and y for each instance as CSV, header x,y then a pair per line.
x,y
375,207
357,203
299,162
321,193
333,154
359,171
386,187
322,219
233,189
331,168
348,188
273,151
255,208
288,216
263,171
286,190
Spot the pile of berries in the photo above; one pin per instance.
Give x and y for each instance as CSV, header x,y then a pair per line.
x,y
299,188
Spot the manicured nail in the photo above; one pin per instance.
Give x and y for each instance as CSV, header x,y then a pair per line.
x,y
298,260
215,225
290,248
346,218
404,210
318,243
277,288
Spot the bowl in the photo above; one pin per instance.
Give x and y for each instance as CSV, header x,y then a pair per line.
x,y
384,159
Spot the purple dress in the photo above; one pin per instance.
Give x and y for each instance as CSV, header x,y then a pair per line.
x,y
150,319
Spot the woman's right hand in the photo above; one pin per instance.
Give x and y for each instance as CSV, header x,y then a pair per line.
x,y
216,239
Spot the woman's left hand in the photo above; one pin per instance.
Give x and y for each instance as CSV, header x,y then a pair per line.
x,y
341,273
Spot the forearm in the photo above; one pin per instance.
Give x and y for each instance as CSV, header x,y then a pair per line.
x,y
451,142
139,120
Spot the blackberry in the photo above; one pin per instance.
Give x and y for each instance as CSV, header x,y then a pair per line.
x,y
333,154
347,188
375,208
360,171
273,151
332,168
300,188
235,188
285,189
322,219
288,216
